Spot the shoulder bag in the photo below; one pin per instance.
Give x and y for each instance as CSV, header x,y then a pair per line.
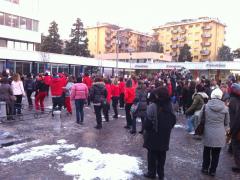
x,y
200,128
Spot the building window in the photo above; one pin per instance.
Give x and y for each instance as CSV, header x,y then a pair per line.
x,y
24,46
23,23
8,19
10,44
29,24
17,45
30,47
1,18
3,43
35,25
15,21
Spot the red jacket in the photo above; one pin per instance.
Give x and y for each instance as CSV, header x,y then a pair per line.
x,y
121,87
115,90
57,85
129,95
169,87
47,80
109,94
88,81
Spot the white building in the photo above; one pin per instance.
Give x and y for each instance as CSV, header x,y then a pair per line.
x,y
19,24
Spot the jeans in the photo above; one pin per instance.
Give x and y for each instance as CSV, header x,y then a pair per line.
x,y
156,162
18,105
190,127
210,158
79,104
121,100
128,114
29,93
236,151
106,109
114,105
97,109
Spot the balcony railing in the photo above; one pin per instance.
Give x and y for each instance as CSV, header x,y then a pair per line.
x,y
206,35
174,31
205,52
207,27
174,39
108,46
174,46
206,44
181,39
182,31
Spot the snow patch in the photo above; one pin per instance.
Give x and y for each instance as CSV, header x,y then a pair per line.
x,y
38,152
17,147
93,164
61,141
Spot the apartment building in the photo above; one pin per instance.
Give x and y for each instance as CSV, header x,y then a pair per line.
x,y
104,38
204,35
18,30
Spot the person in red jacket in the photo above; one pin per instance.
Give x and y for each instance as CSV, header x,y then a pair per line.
x,y
106,106
129,97
88,81
57,85
115,97
169,87
121,92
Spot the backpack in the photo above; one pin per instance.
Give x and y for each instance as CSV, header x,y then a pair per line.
x,y
30,85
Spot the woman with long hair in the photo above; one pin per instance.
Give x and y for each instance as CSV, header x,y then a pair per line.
x,y
18,92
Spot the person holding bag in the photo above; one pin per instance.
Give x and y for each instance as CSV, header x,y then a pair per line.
x,y
18,92
216,119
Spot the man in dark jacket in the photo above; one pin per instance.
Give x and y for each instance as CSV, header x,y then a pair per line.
x,y
158,126
234,112
98,94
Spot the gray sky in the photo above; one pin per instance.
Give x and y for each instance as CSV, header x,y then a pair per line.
x,y
138,14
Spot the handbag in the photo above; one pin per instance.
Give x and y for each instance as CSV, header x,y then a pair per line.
x,y
12,98
200,128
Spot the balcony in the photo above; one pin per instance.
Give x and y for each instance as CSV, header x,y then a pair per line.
x,y
182,31
107,38
206,44
204,60
206,35
174,54
205,52
207,27
108,32
182,39
174,39
174,46
180,45
174,31
108,46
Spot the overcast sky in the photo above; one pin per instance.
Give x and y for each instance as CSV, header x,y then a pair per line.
x,y
140,15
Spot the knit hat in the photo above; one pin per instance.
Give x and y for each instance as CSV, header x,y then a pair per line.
x,y
235,89
216,94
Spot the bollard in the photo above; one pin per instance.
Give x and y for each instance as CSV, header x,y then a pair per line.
x,y
3,112
57,115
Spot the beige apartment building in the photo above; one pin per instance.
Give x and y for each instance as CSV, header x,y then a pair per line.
x,y
204,35
103,39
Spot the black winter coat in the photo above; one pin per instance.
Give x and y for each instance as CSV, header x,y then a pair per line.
x,y
141,99
158,127
234,112
98,93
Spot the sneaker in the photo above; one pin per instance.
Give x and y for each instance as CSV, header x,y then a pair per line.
x,y
132,132
212,174
98,127
115,116
192,132
127,127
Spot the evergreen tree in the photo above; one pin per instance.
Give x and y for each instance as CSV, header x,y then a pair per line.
x,y
78,45
52,42
236,53
155,47
185,54
224,54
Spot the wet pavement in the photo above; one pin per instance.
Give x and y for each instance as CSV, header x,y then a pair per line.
x,y
35,152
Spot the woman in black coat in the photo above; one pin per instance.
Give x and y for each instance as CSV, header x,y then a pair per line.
x,y
158,126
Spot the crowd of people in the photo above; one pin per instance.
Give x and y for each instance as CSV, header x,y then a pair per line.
x,y
156,100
